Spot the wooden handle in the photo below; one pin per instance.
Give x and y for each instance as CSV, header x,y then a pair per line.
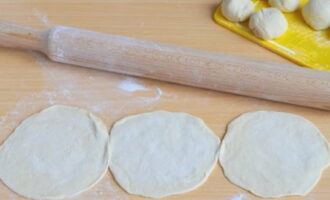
x,y
18,36
216,71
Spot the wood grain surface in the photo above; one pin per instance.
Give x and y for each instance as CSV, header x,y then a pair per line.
x,y
29,82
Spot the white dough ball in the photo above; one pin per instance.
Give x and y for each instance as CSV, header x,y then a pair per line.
x,y
237,10
285,5
268,23
317,14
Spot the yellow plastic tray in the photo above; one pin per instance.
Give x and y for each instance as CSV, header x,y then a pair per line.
x,y
300,43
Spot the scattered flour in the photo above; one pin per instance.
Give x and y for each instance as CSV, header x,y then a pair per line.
x,y
130,85
42,16
240,197
66,82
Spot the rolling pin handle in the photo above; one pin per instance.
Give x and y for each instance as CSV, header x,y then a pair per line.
x,y
22,37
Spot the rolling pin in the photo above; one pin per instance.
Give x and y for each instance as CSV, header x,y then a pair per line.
x,y
215,71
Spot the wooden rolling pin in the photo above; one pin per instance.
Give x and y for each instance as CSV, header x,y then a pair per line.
x,y
215,71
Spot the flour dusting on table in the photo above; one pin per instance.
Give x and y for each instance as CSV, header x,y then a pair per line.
x,y
240,197
42,16
130,85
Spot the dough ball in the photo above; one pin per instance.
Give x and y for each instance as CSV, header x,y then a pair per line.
x,y
274,154
285,5
55,154
268,23
237,10
317,14
161,153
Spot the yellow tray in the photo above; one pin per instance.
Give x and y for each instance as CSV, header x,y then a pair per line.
x,y
300,43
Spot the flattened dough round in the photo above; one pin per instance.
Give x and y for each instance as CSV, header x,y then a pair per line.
x,y
55,154
274,154
161,153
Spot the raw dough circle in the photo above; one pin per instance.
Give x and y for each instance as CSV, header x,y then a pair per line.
x,y
54,154
285,5
317,14
274,154
268,23
161,153
237,10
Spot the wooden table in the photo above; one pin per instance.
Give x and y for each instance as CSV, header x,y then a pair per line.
x,y
29,82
